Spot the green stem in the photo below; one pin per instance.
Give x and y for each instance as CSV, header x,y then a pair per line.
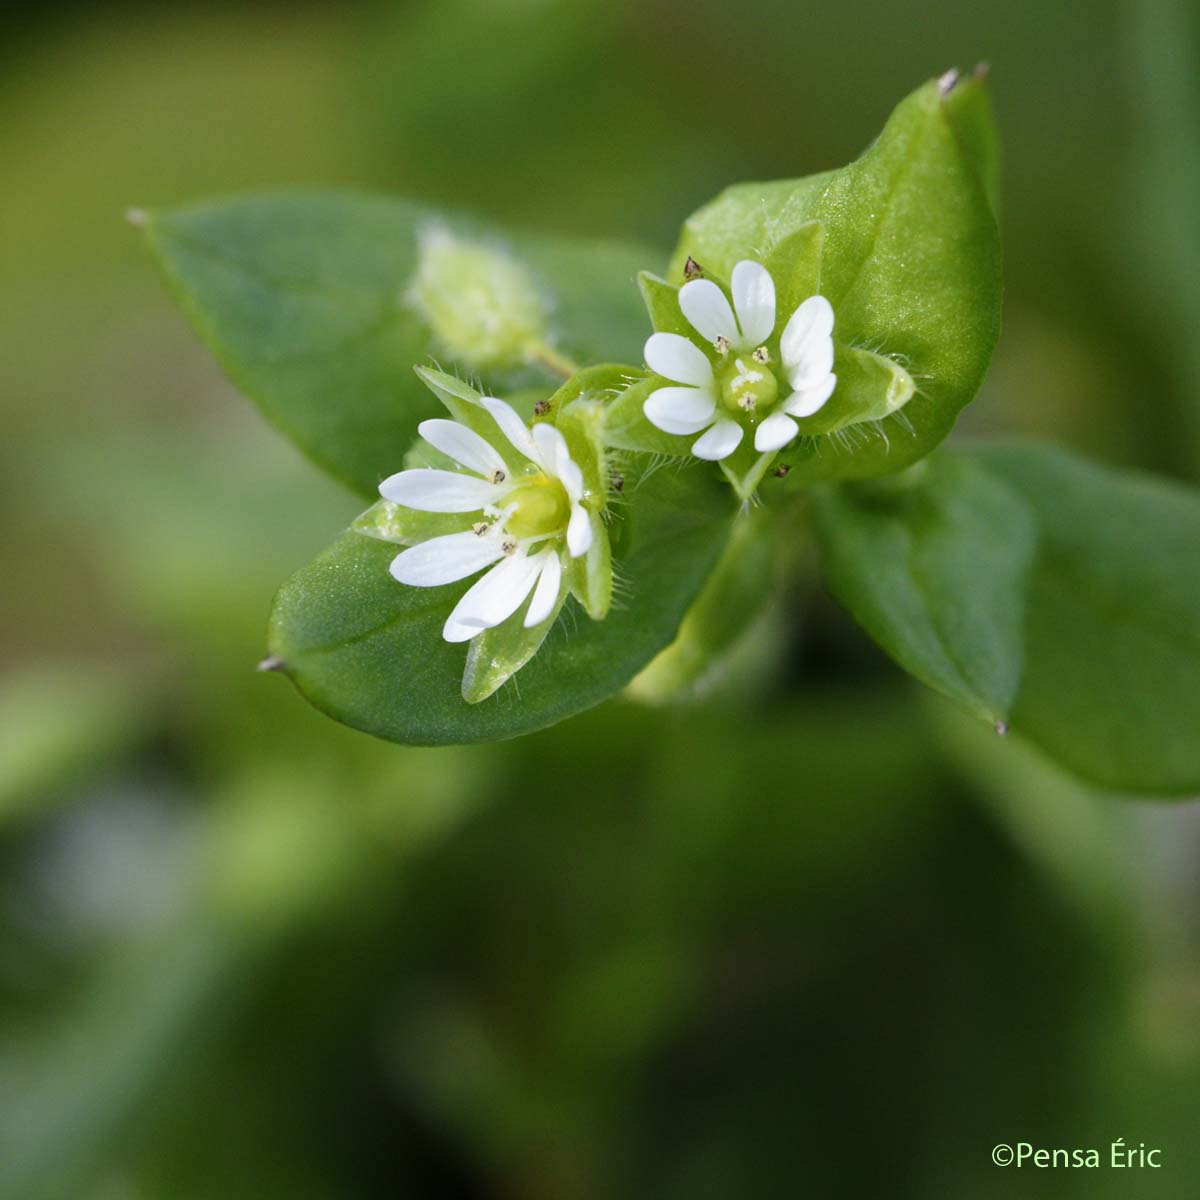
x,y
748,485
546,356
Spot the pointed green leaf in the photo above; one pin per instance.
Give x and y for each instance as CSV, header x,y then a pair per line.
x,y
910,263
1040,591
369,651
934,567
306,301
1111,685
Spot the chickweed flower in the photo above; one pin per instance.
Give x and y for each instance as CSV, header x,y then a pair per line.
x,y
745,378
521,504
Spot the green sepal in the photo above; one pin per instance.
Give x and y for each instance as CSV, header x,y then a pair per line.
x,y
581,422
662,303
590,576
579,409
626,426
407,526
870,387
462,401
497,654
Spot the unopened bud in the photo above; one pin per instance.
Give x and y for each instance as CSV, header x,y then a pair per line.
x,y
483,306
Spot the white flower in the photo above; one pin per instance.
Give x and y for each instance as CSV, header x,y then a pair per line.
x,y
527,518
743,386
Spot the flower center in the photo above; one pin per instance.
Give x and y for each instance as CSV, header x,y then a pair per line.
x,y
540,506
747,385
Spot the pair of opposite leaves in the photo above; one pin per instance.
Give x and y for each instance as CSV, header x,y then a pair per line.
x,y
300,297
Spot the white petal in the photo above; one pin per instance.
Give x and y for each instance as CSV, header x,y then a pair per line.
x,y
680,409
775,432
545,595
511,426
719,442
705,306
455,631
806,401
579,531
439,491
492,599
463,445
672,356
556,458
754,302
445,559
806,346
814,367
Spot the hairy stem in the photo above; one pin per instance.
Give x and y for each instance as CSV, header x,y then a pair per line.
x,y
546,356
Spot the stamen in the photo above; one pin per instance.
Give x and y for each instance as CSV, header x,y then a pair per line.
x,y
480,528
692,269
782,471
509,546
761,356
541,408
722,345
497,476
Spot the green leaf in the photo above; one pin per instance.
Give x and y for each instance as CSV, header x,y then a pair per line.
x,y
910,263
1112,640
934,568
1042,591
369,651
305,300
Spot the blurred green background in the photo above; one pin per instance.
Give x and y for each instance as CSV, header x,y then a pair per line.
x,y
830,940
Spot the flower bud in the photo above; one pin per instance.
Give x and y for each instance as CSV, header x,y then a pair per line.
x,y
483,307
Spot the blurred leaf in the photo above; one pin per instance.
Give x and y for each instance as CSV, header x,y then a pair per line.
x,y
1083,840
56,723
911,264
369,652
135,1035
1042,591
302,297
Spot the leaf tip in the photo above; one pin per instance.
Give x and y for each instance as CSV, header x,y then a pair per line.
x,y
1001,728
947,81
271,663
139,218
